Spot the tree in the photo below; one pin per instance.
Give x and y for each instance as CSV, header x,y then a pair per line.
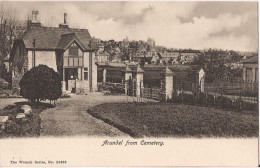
x,y
7,32
214,66
40,83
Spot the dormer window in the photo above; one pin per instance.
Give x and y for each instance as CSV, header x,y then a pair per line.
x,y
73,51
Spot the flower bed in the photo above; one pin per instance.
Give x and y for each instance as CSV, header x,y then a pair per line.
x,y
29,126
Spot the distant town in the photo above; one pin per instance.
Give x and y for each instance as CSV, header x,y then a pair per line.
x,y
150,53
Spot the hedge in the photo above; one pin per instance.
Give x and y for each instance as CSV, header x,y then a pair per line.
x,y
203,99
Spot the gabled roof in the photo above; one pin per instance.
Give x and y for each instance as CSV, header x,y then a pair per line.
x,y
153,49
169,54
142,48
67,39
52,38
253,59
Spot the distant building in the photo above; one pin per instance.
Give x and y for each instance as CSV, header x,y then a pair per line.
x,y
125,43
170,56
188,56
250,69
145,53
150,42
102,57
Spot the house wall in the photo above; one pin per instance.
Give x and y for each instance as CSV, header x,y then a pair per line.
x,y
250,72
43,57
66,53
94,74
102,58
91,73
83,67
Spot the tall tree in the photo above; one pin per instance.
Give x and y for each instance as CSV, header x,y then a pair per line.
x,y
7,32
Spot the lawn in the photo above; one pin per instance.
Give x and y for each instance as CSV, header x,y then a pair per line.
x,y
177,120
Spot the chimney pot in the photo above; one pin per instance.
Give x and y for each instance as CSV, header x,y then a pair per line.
x,y
34,21
65,18
65,24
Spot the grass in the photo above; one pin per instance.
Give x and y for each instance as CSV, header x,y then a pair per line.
x,y
29,126
177,120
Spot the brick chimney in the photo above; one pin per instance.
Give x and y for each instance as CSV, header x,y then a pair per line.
x,y
65,24
35,22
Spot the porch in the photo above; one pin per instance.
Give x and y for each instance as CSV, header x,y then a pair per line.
x,y
75,80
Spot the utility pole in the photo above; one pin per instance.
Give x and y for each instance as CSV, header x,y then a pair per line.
x,y
33,59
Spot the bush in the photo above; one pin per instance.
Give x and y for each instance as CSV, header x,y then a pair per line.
x,y
210,100
40,83
112,88
188,99
250,106
227,103
177,98
3,84
201,99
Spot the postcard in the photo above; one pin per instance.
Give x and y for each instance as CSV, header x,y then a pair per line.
x,y
129,83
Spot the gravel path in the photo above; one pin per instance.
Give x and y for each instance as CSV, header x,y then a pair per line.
x,y
70,117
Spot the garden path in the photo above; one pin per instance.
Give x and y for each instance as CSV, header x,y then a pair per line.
x,y
70,117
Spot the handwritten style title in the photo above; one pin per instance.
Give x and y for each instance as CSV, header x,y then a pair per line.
x,y
132,143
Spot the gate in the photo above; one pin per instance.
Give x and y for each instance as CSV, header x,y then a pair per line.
x,y
151,93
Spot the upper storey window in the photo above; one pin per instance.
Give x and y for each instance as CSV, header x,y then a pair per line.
x,y
73,51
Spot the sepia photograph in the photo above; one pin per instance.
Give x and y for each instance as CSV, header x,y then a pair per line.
x,y
128,75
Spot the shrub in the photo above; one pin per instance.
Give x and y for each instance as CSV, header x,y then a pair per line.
x,y
3,84
201,99
227,103
177,98
250,106
40,83
210,100
188,99
239,104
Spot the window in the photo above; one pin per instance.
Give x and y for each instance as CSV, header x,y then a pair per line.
x,y
85,73
73,51
249,73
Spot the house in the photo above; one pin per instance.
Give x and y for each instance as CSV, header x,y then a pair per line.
x,y
146,53
70,52
103,57
188,56
170,57
250,69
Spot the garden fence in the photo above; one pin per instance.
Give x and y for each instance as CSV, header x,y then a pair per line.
x,y
152,93
233,89
114,88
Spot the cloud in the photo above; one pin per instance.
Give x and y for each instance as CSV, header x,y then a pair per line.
x,y
171,24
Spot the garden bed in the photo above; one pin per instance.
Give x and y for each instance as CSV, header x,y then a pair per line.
x,y
27,127
177,120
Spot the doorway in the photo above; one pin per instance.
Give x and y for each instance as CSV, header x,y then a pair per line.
x,y
71,74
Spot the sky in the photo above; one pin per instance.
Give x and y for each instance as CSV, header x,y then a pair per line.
x,y
196,25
